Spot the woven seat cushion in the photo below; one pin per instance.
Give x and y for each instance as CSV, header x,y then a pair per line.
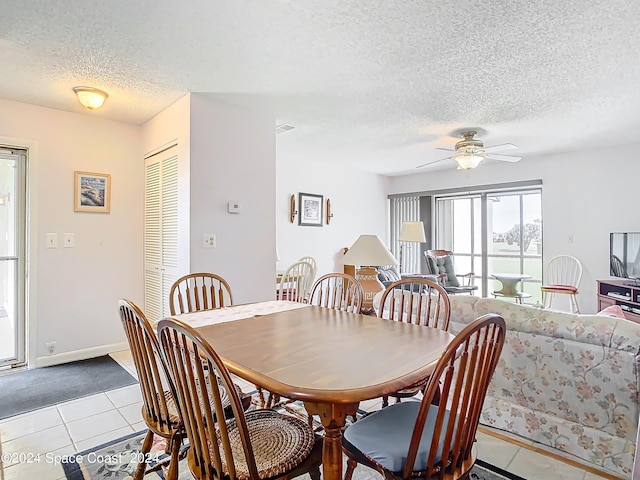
x,y
172,407
174,414
280,443
559,289
385,436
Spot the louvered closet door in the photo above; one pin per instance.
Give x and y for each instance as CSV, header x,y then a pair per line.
x,y
161,232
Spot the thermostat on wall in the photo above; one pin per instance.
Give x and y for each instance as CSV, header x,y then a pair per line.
x,y
235,207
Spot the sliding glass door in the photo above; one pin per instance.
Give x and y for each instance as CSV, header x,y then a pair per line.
x,y
459,229
515,239
494,233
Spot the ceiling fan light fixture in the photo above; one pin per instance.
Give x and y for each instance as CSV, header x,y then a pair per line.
x,y
89,97
467,162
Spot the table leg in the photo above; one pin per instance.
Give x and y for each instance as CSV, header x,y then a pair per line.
x,y
332,416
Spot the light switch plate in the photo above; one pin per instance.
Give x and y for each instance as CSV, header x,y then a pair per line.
x,y
52,240
69,240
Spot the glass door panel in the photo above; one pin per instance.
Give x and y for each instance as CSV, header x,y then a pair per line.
x,y
11,258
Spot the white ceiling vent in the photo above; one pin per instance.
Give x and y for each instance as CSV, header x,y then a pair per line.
x,y
284,127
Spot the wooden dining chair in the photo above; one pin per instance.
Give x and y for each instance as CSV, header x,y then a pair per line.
x,y
338,291
423,440
418,301
199,291
159,409
562,277
314,267
254,445
295,282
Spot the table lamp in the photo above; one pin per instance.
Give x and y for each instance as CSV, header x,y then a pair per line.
x,y
412,232
369,252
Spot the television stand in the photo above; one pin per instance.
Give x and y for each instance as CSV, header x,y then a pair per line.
x,y
634,283
623,293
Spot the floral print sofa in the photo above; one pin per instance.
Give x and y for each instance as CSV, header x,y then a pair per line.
x,y
564,380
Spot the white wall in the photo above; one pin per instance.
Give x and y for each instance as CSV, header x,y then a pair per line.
x,y
169,127
74,298
233,159
358,201
585,194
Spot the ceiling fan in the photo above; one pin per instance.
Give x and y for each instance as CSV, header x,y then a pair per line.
x,y
471,151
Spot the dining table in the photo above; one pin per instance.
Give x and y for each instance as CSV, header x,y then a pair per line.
x,y
329,359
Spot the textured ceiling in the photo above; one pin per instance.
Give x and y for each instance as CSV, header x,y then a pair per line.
x,y
375,83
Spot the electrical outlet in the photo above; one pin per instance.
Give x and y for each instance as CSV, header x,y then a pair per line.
x,y
51,347
208,240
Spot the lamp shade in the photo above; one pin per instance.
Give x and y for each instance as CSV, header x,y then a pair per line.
x,y
412,232
466,162
90,97
369,250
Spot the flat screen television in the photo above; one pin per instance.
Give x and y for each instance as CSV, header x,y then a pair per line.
x,y
624,255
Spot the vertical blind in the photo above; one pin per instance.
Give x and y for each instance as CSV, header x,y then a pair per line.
x,y
405,209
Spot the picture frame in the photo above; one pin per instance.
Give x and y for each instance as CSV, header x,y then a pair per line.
x,y
310,210
92,192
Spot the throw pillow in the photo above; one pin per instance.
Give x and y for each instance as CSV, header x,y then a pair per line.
x,y
612,311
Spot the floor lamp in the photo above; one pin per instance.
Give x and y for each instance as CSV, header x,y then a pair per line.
x,y
410,232
369,252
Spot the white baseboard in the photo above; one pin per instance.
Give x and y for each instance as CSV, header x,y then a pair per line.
x,y
67,357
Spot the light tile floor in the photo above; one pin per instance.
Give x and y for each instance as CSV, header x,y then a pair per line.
x,y
74,426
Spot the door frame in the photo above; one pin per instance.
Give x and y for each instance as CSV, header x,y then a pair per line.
x,y
31,244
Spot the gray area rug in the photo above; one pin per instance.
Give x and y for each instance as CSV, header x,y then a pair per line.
x,y
41,387
123,454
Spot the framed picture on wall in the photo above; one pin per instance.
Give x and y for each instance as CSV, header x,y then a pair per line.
x,y
92,192
310,206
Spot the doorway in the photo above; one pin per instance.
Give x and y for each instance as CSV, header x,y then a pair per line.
x,y
13,168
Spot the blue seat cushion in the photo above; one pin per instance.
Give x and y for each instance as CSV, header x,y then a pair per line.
x,y
384,436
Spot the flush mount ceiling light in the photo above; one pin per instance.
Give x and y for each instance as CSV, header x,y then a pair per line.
x,y
89,97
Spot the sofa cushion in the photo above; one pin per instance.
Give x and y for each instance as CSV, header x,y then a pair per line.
x,y
612,311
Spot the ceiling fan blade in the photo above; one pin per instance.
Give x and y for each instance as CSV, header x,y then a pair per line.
x,y
497,148
435,161
447,149
503,158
